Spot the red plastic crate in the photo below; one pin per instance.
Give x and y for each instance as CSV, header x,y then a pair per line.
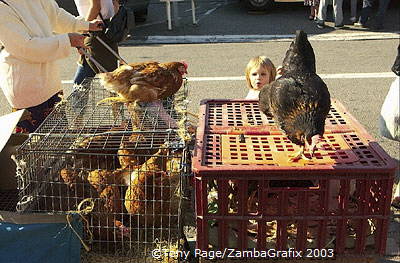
x,y
249,196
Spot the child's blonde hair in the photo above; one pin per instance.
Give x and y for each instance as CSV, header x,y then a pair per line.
x,y
260,61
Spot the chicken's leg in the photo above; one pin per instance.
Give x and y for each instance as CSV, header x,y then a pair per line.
x,y
299,155
112,100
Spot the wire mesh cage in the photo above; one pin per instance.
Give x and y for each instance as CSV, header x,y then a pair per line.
x,y
124,162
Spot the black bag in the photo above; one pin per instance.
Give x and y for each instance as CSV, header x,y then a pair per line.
x,y
118,27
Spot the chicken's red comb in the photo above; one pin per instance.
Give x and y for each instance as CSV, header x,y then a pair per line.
x,y
185,64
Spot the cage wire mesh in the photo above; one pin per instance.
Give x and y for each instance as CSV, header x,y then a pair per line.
x,y
125,160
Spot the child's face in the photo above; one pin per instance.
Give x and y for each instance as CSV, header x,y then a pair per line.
x,y
259,76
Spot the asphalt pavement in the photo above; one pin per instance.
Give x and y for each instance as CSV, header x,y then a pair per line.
x,y
230,18
230,21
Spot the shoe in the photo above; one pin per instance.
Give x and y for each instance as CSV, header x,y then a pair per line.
x,y
339,26
320,25
311,18
359,24
353,19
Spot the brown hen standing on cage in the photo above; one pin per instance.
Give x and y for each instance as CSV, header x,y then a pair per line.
x,y
299,100
144,82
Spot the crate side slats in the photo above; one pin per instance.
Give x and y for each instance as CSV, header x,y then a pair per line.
x,y
362,180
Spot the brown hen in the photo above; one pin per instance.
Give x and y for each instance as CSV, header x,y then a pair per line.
x,y
130,154
152,187
144,82
100,179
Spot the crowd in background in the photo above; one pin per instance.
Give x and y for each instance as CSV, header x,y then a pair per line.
x,y
364,18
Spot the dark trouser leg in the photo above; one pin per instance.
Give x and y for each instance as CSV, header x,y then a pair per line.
x,y
366,11
383,5
38,114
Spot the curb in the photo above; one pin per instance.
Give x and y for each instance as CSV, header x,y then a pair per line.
x,y
203,39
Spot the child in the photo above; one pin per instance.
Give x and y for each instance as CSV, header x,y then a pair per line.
x,y
259,72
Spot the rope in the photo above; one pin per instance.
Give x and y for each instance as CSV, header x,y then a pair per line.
x,y
82,212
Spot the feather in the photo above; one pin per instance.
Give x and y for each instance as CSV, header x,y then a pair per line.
x,y
299,100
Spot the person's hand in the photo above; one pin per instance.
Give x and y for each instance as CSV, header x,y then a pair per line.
x,y
76,40
80,51
96,25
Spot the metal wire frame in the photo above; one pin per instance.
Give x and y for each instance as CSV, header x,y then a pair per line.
x,y
79,116
81,140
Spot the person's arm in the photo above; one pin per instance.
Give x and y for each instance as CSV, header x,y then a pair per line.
x,y
61,20
64,22
17,41
94,10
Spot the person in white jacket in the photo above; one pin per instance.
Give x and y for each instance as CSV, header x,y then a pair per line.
x,y
34,34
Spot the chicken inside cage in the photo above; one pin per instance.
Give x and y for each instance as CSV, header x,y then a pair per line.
x,y
128,160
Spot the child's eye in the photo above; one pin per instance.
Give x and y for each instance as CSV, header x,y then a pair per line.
x,y
263,74
254,74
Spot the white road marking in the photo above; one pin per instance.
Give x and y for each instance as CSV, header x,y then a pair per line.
x,y
324,76
195,39
199,15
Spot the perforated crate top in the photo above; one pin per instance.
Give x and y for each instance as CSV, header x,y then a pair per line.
x,y
273,150
234,136
236,116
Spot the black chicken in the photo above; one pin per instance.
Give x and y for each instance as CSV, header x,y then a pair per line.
x,y
299,100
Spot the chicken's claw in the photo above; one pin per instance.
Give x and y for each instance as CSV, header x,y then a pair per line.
x,y
112,100
298,156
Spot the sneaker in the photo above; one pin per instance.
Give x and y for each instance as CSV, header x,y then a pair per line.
x,y
320,25
359,24
353,19
339,26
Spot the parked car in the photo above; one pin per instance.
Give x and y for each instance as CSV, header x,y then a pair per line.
x,y
261,5
139,7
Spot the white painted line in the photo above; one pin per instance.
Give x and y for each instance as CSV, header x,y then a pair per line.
x,y
210,11
358,75
215,78
324,76
194,39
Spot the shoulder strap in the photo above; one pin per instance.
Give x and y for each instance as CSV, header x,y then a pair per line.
x,y
5,2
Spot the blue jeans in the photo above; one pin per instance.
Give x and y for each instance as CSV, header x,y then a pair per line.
x,y
79,96
83,71
367,10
